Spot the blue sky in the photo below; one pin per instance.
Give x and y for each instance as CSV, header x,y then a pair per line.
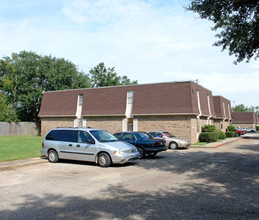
x,y
147,40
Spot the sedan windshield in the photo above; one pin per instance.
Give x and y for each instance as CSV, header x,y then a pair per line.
x,y
168,134
103,136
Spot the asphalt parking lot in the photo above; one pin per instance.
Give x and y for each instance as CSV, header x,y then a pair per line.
x,y
196,183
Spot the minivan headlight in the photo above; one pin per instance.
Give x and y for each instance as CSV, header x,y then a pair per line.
x,y
116,152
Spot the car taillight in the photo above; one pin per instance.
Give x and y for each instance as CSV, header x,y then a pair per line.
x,y
157,143
42,145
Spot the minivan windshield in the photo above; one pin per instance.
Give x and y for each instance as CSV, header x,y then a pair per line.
x,y
103,136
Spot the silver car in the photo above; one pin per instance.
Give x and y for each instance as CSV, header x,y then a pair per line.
x,y
172,142
87,144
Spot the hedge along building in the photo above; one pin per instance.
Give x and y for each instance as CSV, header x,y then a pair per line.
x,y
245,119
179,107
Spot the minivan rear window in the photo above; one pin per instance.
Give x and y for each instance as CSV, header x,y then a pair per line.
x,y
62,135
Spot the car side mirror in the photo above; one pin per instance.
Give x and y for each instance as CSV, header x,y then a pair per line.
x,y
90,142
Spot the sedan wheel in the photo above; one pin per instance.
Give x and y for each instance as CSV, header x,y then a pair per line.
x,y
173,145
104,160
141,151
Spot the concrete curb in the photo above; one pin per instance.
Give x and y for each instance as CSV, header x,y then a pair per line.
x,y
237,139
216,144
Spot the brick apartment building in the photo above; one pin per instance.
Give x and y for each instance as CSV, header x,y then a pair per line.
x,y
245,119
181,108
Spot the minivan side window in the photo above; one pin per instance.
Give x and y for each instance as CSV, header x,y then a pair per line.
x,y
62,135
69,136
53,135
84,137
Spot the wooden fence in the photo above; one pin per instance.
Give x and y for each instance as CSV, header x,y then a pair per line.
x,y
19,128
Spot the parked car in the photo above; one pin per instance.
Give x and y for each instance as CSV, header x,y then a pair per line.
x,y
86,144
249,129
171,141
144,142
239,132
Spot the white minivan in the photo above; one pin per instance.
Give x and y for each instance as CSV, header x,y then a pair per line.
x,y
87,144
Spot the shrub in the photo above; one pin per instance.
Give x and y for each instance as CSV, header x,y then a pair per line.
x,y
208,128
230,134
257,128
231,128
208,137
221,134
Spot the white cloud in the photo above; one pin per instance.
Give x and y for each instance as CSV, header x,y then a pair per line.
x,y
149,41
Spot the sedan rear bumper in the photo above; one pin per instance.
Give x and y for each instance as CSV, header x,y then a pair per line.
x,y
155,149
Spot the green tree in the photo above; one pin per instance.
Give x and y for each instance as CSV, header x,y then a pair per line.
x,y
242,108
238,22
24,76
7,113
101,76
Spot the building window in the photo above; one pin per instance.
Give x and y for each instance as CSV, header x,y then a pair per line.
x,y
80,99
130,124
224,110
80,122
130,96
129,104
199,102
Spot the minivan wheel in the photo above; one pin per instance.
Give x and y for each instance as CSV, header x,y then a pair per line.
x,y
52,156
104,160
173,145
141,151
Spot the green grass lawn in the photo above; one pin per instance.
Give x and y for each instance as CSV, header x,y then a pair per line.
x,y
19,147
200,143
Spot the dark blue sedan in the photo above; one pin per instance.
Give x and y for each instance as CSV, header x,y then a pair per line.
x,y
144,142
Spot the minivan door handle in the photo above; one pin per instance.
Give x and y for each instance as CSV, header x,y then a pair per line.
x,y
70,145
78,145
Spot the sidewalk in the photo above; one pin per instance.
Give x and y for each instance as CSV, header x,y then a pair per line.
x,y
9,165
216,144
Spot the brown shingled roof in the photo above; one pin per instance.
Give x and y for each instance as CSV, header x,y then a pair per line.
x,y
244,117
159,98
219,107
59,103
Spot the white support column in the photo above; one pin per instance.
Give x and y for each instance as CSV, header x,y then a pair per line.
x,y
78,122
124,124
135,124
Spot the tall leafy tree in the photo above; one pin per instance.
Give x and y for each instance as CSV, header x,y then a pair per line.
x,y
24,76
101,76
7,113
242,108
238,23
